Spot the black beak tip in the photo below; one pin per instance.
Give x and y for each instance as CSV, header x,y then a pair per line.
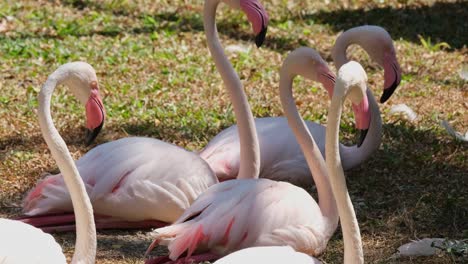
x,y
389,91
260,38
361,136
92,134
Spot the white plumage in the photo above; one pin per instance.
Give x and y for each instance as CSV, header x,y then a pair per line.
x,y
17,237
246,213
270,255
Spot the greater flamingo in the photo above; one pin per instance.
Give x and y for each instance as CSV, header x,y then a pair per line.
x,y
136,182
351,81
284,160
17,236
251,212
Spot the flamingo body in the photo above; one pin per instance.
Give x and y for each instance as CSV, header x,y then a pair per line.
x,y
271,255
223,152
281,156
237,214
41,247
131,179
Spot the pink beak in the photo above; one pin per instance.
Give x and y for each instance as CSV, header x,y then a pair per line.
x,y
95,115
363,117
258,17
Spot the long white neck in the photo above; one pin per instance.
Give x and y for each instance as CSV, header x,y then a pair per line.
x,y
249,148
353,155
85,246
309,148
351,234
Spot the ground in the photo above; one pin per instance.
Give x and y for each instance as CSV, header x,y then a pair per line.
x,y
158,80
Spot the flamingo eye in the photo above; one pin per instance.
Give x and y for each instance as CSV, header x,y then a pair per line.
x,y
94,85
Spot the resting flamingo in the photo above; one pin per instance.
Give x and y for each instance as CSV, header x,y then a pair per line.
x,y
351,81
284,160
135,182
17,236
250,212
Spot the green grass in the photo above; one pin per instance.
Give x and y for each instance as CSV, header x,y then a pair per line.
x,y
159,80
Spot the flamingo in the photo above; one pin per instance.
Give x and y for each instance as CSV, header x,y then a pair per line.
x,y
250,212
284,160
351,82
134,182
16,235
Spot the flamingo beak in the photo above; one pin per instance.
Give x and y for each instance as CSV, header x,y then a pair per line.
x,y
361,136
258,17
92,134
388,91
363,116
260,38
392,76
95,115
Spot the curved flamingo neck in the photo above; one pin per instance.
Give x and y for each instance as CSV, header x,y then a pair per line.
x,y
85,245
249,148
351,235
367,37
309,147
353,155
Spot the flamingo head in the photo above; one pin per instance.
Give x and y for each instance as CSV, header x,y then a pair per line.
x,y
353,79
381,50
82,80
256,14
392,74
379,45
361,110
95,114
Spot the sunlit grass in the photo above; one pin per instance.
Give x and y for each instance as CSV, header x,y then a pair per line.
x,y
159,80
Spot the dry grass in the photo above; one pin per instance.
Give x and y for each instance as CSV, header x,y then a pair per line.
x,y
150,57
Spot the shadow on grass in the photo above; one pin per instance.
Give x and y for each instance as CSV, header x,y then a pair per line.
x,y
442,22
73,137
415,185
113,244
